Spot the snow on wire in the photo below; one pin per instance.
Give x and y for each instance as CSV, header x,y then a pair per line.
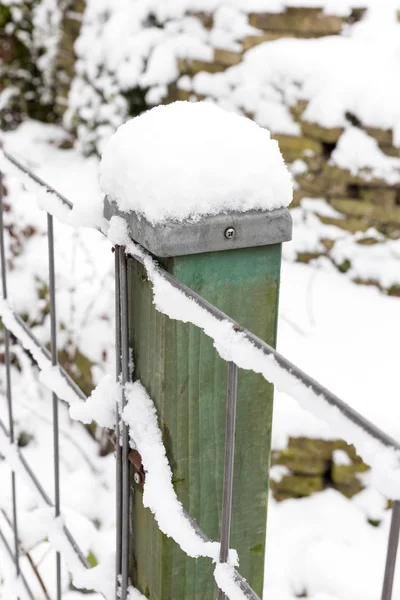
x,y
379,451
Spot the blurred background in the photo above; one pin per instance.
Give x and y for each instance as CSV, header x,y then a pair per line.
x,y
323,76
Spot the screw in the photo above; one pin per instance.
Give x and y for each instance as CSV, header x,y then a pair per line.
x,y
137,478
230,233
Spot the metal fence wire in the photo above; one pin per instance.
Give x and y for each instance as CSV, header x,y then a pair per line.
x,y
122,492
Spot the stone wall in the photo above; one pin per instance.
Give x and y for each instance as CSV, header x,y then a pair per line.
x,y
362,200
312,465
66,57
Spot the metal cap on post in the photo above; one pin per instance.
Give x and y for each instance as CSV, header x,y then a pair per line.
x,y
215,419
210,233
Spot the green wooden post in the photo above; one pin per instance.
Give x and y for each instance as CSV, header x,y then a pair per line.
x,y
238,272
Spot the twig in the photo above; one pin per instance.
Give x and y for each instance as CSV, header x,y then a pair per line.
x,y
293,325
30,559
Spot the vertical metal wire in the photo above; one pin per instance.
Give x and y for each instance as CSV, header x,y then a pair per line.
x,y
7,357
391,552
230,428
118,564
56,444
125,520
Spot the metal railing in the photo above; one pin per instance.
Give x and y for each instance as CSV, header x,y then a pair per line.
x,y
122,449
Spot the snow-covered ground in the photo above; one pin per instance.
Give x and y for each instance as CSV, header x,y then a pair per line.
x,y
342,334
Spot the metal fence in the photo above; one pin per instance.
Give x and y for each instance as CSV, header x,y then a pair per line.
x,y
122,449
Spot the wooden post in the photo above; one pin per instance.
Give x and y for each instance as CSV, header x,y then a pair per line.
x,y
186,379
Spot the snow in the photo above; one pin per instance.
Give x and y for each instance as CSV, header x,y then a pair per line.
x,y
233,346
310,231
6,95
188,144
278,472
341,458
78,179
83,257
360,154
100,406
377,262
11,455
50,375
334,553
224,576
371,503
46,20
118,231
229,25
58,540
371,257
333,74
345,337
40,524
77,217
134,594
13,585
158,494
319,206
50,203
99,578
177,8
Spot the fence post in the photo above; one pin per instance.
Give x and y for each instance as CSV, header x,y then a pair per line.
x,y
233,261
186,379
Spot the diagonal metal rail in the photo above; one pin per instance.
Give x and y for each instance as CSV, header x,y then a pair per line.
x,y
46,354
37,179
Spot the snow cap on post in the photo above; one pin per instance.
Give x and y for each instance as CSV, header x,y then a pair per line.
x,y
191,177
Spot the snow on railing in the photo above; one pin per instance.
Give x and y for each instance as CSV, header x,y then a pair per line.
x,y
239,347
